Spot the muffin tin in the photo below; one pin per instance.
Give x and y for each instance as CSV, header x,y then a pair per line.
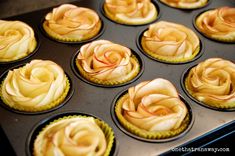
x,y
90,99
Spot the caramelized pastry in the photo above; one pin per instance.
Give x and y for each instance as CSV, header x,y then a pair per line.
x,y
218,24
152,109
170,42
213,83
107,63
37,86
131,12
71,23
17,40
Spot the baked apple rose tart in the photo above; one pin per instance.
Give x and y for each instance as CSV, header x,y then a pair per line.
x,y
75,136
185,4
17,40
37,86
71,23
131,12
213,83
106,63
152,110
218,24
170,42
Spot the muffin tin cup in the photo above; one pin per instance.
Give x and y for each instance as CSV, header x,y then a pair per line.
x,y
102,29
101,8
187,9
27,56
67,98
182,80
138,43
40,125
77,72
203,34
119,125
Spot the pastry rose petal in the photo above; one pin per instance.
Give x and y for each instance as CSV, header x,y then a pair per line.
x,y
212,82
185,4
107,61
17,40
72,136
218,23
170,41
154,106
72,23
37,84
131,11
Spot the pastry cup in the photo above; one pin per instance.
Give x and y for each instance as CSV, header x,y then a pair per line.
x,y
111,148
89,37
67,94
165,59
213,38
36,46
143,135
212,105
124,22
81,73
187,8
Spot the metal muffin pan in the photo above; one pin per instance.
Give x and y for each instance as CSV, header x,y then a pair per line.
x,y
95,100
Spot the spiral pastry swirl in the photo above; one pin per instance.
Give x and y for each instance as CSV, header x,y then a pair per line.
x,y
35,86
71,23
131,12
218,24
17,40
170,42
185,4
153,106
107,63
75,136
213,82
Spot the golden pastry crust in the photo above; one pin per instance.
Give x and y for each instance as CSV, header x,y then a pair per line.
x,y
218,24
212,82
73,135
72,24
185,4
152,109
17,40
170,42
131,12
37,86
107,63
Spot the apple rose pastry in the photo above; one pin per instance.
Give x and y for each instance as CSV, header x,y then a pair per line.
x,y
75,136
185,4
131,12
37,86
17,40
152,110
213,83
218,24
106,63
170,42
72,24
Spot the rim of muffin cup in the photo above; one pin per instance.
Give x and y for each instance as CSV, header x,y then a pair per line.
x,y
5,63
101,31
187,9
101,8
205,35
139,45
38,127
61,104
129,133
79,75
182,83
